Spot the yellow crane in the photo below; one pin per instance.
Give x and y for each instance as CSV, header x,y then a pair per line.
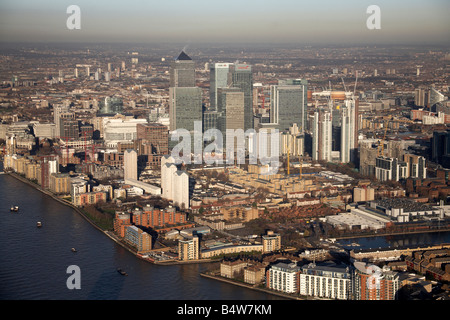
x,y
288,162
381,144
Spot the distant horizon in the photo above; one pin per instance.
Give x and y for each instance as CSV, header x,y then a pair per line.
x,y
232,45
249,22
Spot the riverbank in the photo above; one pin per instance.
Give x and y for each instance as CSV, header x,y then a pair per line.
x,y
252,287
54,197
109,234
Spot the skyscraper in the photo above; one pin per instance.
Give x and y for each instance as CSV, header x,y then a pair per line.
x,y
182,71
322,135
185,99
288,104
240,76
218,79
130,165
230,105
185,107
349,130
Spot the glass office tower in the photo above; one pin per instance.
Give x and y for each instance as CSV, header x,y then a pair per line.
x,y
288,104
182,71
218,79
240,76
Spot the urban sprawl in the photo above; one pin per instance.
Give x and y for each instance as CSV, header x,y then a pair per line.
x,y
362,150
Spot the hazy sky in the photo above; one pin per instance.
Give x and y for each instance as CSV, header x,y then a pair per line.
x,y
257,21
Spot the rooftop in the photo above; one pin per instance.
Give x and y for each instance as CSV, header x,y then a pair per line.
x,y
183,56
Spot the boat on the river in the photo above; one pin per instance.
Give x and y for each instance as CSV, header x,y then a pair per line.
x,y
74,250
14,208
39,224
122,272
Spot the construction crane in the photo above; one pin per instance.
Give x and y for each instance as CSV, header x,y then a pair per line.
x,y
301,166
381,144
356,81
345,88
288,149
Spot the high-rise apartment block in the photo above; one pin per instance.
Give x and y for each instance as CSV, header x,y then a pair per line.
x,y
130,164
174,183
322,135
348,132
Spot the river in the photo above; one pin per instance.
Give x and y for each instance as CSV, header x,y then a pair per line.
x,y
34,261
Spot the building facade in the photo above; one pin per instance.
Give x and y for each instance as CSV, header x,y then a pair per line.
x,y
130,164
288,104
322,135
218,79
370,282
241,76
139,239
284,277
326,281
189,249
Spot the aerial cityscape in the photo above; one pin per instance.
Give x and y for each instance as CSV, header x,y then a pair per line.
x,y
294,168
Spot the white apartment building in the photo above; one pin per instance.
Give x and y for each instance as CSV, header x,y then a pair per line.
x,y
130,164
283,277
325,281
174,183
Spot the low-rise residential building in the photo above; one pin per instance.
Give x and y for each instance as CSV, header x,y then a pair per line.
x,y
88,198
189,249
231,269
59,183
139,239
255,273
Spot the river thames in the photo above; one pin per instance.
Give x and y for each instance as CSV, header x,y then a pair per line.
x,y
34,261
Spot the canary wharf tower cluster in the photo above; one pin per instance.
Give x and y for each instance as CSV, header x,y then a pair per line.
x,y
233,102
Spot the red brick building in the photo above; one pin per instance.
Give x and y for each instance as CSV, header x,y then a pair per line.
x,y
151,217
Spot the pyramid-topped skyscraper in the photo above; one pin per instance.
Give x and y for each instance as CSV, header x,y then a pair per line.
x,y
185,98
182,71
183,56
